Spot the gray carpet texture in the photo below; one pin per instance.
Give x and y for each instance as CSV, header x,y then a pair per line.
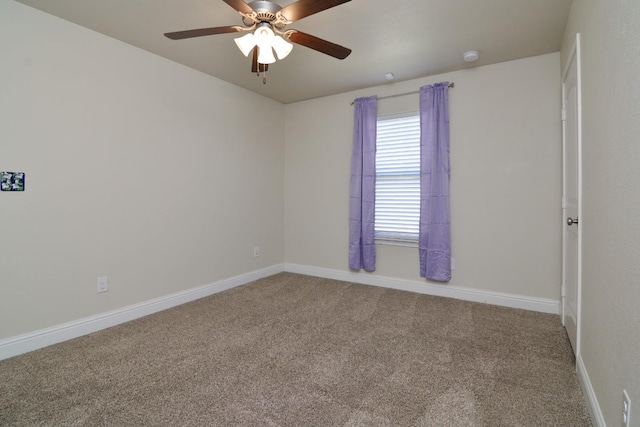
x,y
294,350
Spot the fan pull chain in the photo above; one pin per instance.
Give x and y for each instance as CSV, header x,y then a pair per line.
x,y
264,76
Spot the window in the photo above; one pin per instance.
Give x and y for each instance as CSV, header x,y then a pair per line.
x,y
398,179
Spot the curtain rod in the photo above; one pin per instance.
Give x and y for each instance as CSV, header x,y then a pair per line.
x,y
451,85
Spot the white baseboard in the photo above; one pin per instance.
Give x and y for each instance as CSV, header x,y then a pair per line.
x,y
44,337
423,287
14,346
592,401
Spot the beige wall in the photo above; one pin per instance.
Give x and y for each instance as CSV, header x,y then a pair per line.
x,y
611,180
505,185
137,168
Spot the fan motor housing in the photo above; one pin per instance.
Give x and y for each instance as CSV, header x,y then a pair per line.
x,y
265,11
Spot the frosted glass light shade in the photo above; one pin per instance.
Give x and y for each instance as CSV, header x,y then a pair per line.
x,y
264,40
263,36
246,43
282,47
265,55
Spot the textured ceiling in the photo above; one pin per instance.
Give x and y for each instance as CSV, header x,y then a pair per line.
x,y
410,38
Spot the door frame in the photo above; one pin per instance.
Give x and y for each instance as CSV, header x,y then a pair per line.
x,y
575,55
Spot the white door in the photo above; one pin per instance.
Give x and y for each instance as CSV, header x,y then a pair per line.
x,y
571,203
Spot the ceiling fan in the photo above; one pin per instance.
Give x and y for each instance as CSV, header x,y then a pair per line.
x,y
265,24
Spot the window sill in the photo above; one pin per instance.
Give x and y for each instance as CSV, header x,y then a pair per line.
x,y
391,242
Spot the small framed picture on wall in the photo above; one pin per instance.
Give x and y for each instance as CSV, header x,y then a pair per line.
x,y
12,181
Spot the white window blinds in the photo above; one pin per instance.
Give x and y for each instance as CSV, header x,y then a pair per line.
x,y
398,178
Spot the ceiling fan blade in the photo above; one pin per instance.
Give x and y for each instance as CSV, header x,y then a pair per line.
x,y
178,35
255,67
239,5
303,8
318,44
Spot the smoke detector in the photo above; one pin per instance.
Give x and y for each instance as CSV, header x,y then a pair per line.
x,y
470,56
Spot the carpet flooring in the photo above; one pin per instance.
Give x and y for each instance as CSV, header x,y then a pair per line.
x,y
293,350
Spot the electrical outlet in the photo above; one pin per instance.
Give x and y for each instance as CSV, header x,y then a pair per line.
x,y
256,251
102,284
626,409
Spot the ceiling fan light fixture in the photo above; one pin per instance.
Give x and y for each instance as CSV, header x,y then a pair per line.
x,y
266,36
282,47
246,43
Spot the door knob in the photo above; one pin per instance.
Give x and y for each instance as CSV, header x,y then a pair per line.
x,y
571,221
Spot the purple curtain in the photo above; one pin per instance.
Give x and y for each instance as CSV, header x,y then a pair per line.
x,y
435,229
362,250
